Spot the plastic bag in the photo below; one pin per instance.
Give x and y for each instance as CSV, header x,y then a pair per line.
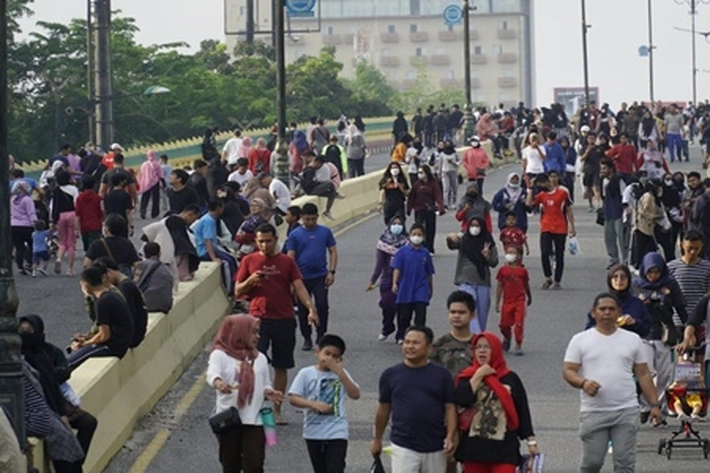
x,y
531,464
574,248
377,466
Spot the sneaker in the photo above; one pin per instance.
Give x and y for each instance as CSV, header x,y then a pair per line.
x,y
382,337
22,272
556,286
57,267
307,345
591,209
506,344
546,285
42,271
34,273
400,342
328,215
518,351
339,196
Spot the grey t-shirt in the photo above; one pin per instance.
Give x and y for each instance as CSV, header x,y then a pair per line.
x,y
674,123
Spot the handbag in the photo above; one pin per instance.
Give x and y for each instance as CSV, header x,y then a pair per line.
x,y
377,466
225,420
600,217
466,418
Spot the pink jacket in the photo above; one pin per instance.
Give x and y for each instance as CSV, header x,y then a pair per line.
x,y
475,161
150,174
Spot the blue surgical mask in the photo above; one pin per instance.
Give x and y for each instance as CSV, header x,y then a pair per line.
x,y
396,229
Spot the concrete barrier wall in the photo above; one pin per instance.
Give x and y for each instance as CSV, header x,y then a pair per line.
x,y
119,392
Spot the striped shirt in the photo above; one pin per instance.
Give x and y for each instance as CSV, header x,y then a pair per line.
x,y
694,282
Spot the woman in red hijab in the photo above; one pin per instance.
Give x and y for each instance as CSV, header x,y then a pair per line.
x,y
495,411
240,375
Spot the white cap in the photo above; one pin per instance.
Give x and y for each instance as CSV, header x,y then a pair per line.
x,y
585,129
116,146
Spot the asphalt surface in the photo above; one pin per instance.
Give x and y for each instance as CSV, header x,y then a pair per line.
x,y
553,318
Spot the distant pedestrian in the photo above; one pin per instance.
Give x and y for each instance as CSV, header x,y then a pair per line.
x,y
513,291
425,200
149,183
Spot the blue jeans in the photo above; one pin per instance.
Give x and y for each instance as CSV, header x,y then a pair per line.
x,y
231,267
675,145
482,295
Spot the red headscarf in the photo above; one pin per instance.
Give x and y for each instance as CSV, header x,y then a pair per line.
x,y
233,338
497,362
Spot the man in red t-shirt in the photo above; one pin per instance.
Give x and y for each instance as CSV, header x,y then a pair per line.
x,y
266,279
556,220
624,156
513,289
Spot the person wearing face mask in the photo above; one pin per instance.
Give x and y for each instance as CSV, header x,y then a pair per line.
x,y
394,190
671,200
511,198
450,162
477,254
513,290
476,162
647,216
474,205
393,238
652,161
425,200
570,165
412,281
413,159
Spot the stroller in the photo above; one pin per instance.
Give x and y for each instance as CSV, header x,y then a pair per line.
x,y
687,397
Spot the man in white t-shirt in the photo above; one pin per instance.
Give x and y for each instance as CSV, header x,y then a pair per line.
x,y
602,362
241,173
279,190
230,152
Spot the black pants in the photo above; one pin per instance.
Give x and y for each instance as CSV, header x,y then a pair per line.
x,y
667,242
569,182
404,317
356,167
152,194
547,240
327,190
316,288
22,242
327,456
242,449
642,244
66,467
428,219
390,210
85,426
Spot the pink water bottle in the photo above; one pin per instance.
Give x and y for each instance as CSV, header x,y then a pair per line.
x,y
269,422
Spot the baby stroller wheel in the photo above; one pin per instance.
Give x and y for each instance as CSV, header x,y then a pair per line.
x,y
661,446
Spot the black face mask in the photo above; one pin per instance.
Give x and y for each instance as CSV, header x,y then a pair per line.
x,y
31,341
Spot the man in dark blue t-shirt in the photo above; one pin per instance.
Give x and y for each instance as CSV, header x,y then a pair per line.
x,y
313,248
419,396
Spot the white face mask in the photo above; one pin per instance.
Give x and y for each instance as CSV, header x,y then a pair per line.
x,y
416,240
394,172
511,258
474,231
513,186
396,229
421,175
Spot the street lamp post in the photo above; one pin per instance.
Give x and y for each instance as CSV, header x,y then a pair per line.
x,y
104,74
282,172
585,27
693,11
468,126
650,51
11,394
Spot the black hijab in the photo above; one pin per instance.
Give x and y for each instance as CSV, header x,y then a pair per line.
x,y
472,246
622,295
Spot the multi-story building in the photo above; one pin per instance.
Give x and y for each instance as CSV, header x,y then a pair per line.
x,y
402,36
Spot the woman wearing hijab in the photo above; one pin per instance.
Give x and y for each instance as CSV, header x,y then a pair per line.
x,y
149,178
245,148
399,127
473,205
394,190
475,162
660,293
652,161
449,162
487,129
239,374
511,198
495,413
22,219
393,238
209,145
477,255
648,129
64,219
425,199
355,150
297,148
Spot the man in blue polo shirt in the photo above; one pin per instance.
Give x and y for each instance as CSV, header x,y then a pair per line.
x,y
313,248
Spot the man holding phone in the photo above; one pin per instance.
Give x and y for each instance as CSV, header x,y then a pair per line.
x,y
266,279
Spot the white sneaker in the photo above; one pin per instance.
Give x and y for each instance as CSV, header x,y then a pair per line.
x,y
34,273
382,337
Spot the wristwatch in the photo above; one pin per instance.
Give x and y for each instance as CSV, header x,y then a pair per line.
x,y
332,271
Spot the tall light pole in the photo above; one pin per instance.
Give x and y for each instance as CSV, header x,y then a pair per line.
x,y
650,51
104,74
585,27
282,172
693,11
468,126
11,394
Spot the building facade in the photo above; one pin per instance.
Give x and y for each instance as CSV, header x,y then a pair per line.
x,y
402,37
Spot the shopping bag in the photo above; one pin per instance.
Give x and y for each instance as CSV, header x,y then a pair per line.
x,y
377,466
574,248
531,463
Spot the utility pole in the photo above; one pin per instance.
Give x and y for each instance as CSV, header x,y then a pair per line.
x,y
585,27
90,68
250,22
693,11
11,392
650,51
104,75
468,126
282,172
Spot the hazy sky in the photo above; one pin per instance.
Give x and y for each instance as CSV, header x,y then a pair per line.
x,y
619,27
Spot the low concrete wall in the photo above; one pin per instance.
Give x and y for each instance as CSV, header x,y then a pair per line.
x,y
119,392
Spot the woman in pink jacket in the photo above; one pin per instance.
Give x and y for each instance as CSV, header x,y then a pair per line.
x,y
22,219
476,162
149,179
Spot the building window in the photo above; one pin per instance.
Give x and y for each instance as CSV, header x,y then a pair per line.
x,y
503,25
411,74
420,52
509,71
329,30
390,29
415,7
386,52
474,72
450,27
497,49
451,74
242,11
413,28
478,50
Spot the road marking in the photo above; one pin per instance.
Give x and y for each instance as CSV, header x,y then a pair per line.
x,y
156,445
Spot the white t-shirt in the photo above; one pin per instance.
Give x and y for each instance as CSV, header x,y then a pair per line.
x,y
609,360
534,159
227,369
232,149
281,193
240,178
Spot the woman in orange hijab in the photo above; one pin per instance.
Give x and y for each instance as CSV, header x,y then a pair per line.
x,y
495,415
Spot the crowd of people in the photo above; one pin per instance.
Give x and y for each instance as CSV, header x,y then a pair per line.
x,y
453,399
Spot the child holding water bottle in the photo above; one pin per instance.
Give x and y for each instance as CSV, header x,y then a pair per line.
x,y
240,375
320,390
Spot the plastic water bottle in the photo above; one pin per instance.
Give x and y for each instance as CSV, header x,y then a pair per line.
x,y
267,418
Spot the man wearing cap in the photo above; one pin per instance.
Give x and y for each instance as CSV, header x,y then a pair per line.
x,y
108,158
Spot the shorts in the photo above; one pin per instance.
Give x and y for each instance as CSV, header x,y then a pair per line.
x,y
281,335
591,179
40,256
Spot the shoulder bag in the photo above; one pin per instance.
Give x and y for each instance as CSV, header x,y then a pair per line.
x,y
225,420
